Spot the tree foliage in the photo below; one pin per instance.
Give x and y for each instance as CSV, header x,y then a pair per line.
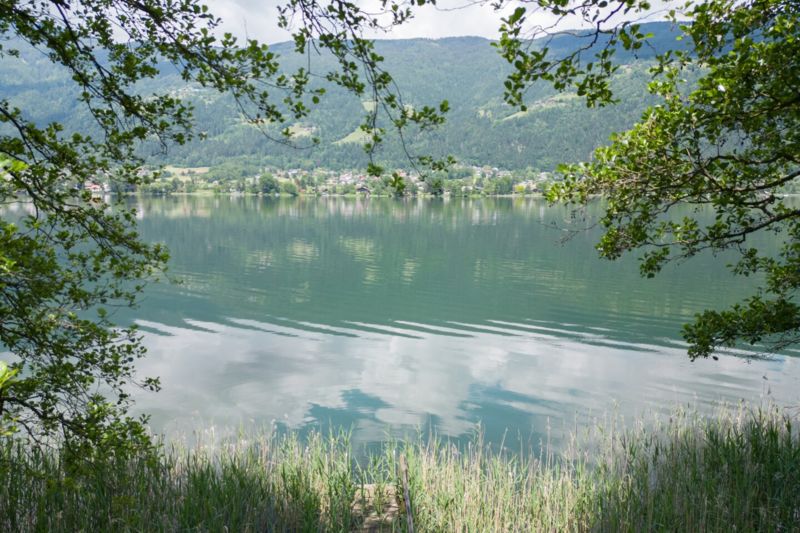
x,y
722,151
268,184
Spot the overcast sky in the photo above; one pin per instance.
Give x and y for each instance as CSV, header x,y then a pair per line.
x,y
258,19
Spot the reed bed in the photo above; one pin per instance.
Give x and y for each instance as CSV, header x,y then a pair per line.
x,y
736,471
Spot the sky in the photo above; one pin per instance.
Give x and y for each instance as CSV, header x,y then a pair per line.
x,y
258,19
450,18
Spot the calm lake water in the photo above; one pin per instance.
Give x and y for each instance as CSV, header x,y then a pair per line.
x,y
385,316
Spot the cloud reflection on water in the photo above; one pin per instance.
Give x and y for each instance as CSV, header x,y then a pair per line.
x,y
229,376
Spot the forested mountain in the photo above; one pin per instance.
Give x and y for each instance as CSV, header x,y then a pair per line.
x,y
466,71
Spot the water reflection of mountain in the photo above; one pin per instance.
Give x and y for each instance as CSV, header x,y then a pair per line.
x,y
335,260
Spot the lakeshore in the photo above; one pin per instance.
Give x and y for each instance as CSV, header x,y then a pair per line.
x,y
737,470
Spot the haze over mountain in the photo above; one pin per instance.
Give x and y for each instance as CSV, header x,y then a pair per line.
x,y
466,71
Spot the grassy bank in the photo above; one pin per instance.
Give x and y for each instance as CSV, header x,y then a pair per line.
x,y
737,471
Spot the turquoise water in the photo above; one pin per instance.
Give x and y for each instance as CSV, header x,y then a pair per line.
x,y
386,316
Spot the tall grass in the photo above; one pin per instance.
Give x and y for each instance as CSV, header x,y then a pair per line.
x,y
739,470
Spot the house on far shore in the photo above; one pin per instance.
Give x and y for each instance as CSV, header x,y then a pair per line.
x,y
94,188
362,189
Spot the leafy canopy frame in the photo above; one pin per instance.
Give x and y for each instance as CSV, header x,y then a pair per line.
x,y
72,258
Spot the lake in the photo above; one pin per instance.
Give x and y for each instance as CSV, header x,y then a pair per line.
x,y
388,316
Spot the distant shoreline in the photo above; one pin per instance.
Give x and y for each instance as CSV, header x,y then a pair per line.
x,y
328,195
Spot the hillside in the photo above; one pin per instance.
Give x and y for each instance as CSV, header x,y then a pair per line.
x,y
466,71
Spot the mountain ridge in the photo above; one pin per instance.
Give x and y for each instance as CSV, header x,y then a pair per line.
x,y
465,70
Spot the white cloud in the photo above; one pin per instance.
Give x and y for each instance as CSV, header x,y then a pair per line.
x,y
250,18
259,19
449,18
